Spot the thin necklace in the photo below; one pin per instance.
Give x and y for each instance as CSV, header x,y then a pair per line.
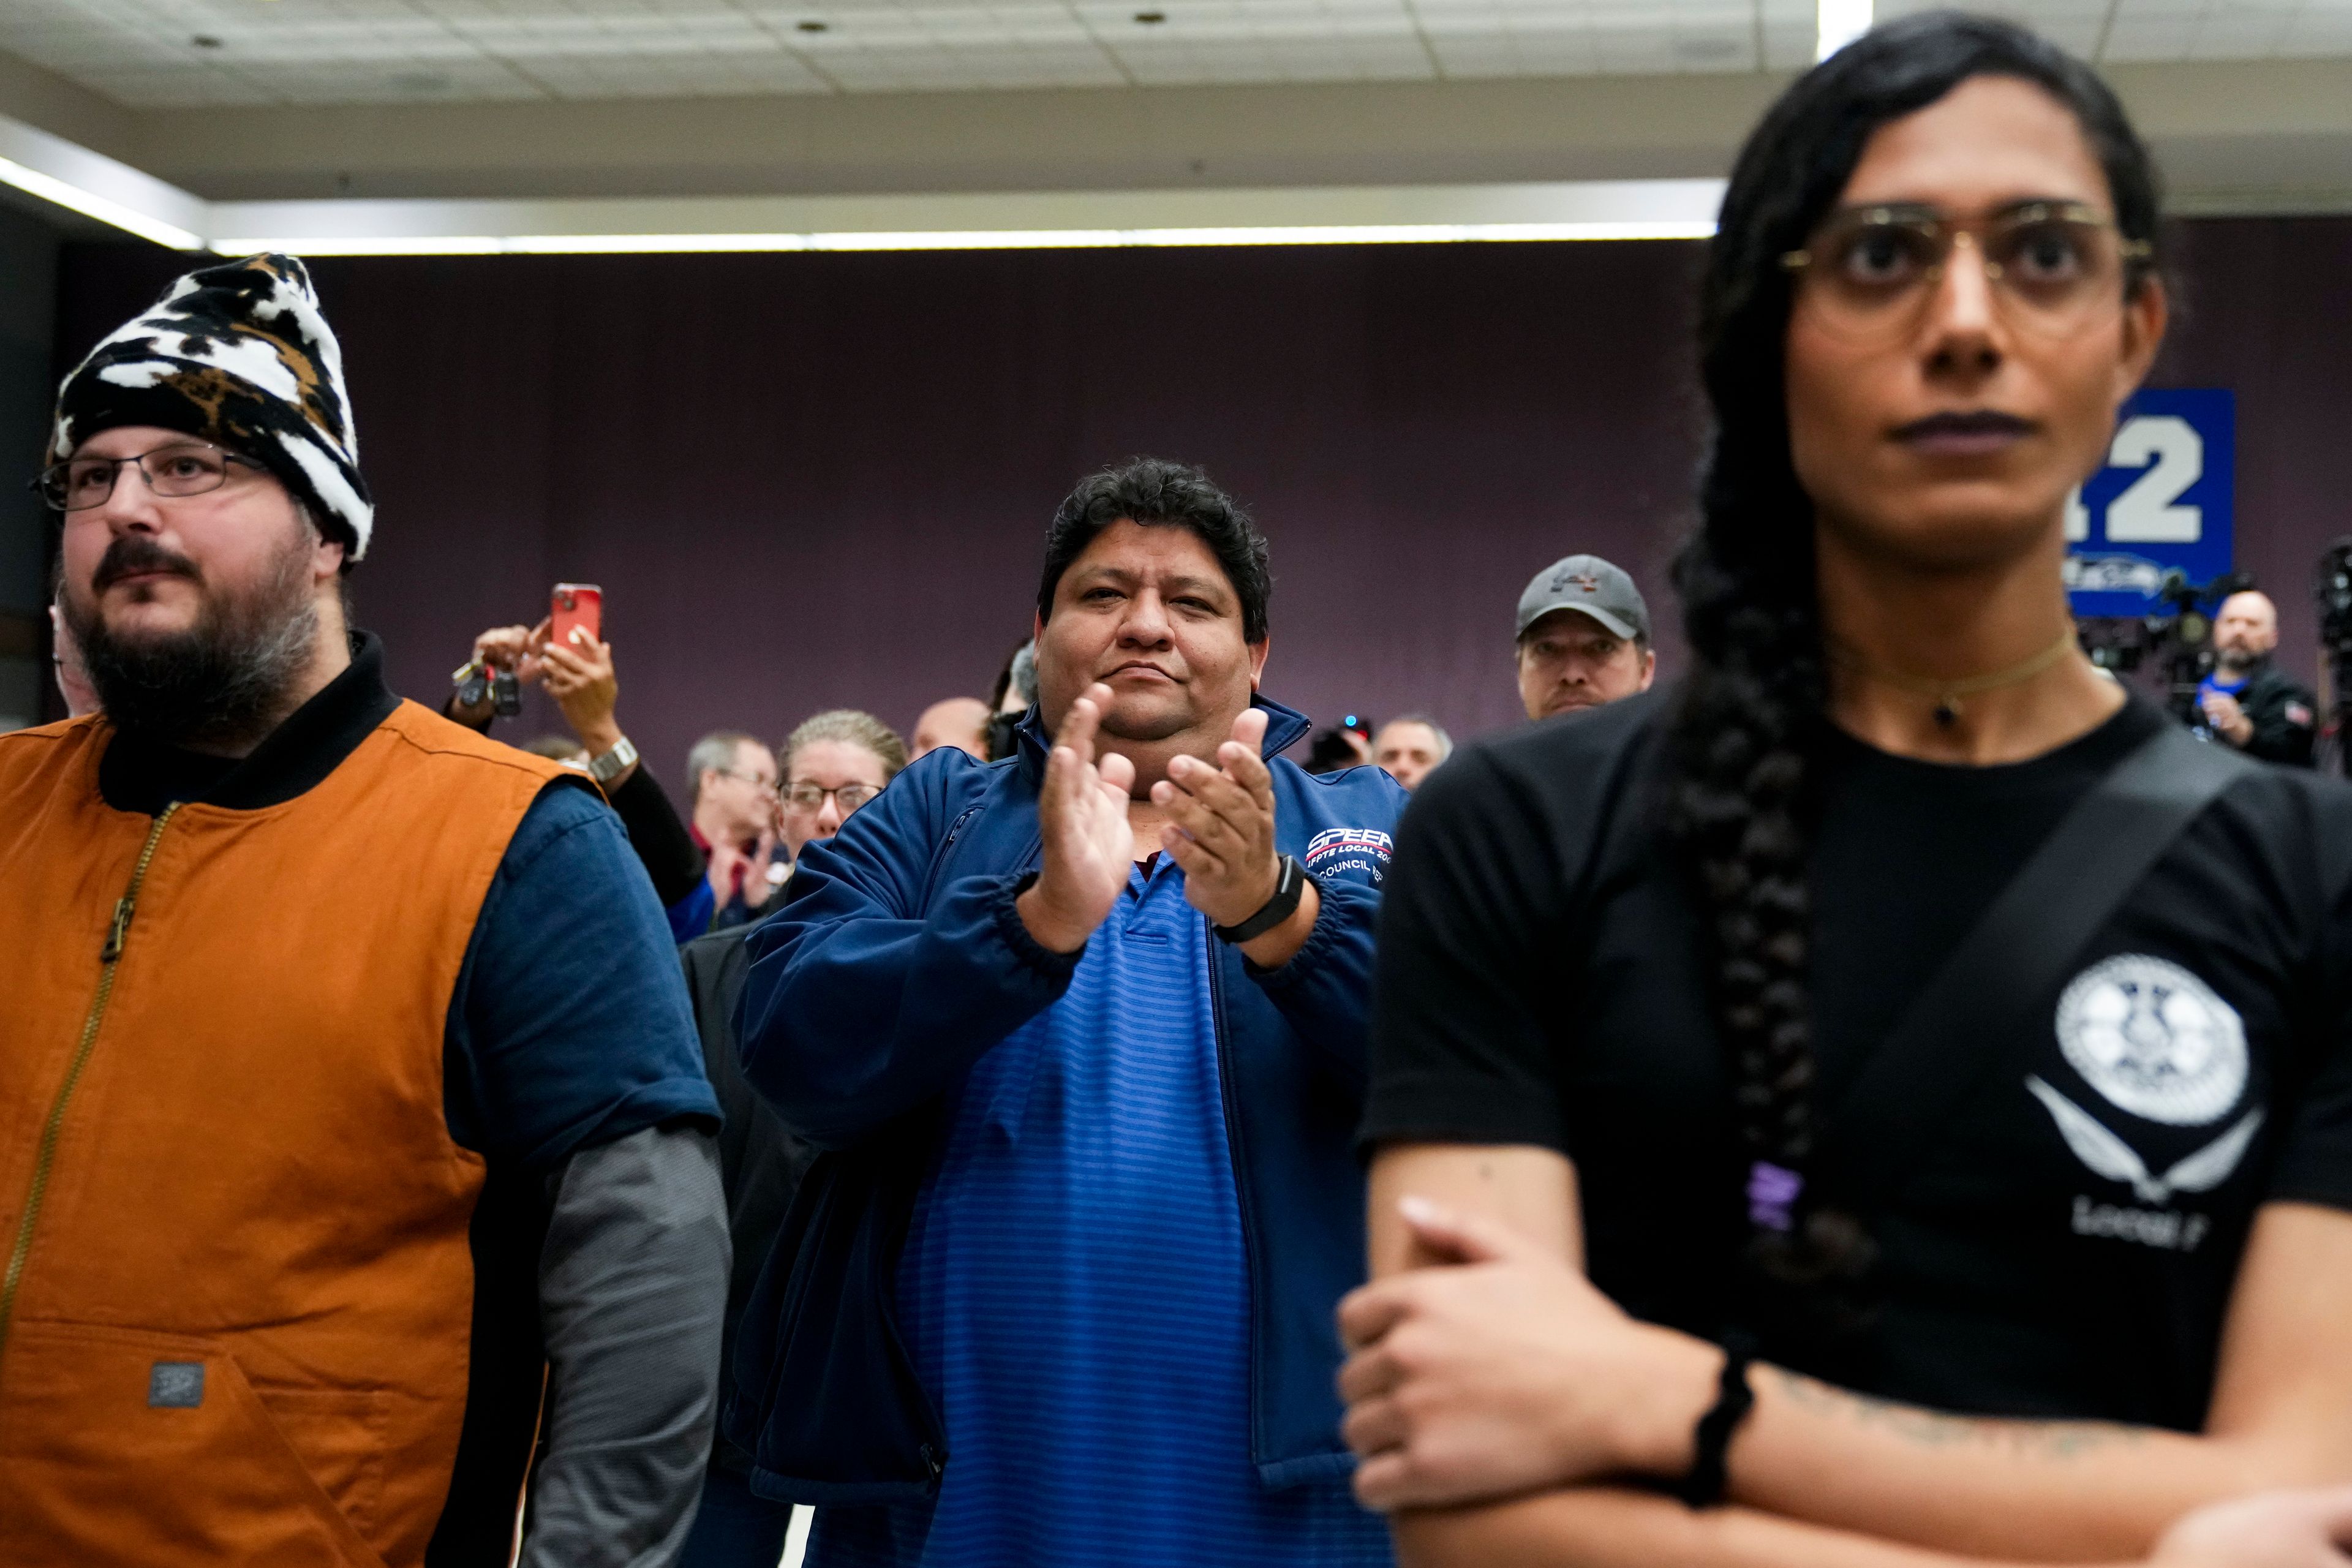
x,y
1947,693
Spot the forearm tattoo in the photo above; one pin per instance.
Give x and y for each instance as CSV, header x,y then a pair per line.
x,y
1932,1429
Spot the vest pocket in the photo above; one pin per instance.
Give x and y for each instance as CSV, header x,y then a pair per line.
x,y
338,1435
121,1446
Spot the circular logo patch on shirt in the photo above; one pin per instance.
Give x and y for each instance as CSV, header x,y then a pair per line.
x,y
2154,1039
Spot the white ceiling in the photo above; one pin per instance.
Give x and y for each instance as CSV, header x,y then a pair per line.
x,y
145,54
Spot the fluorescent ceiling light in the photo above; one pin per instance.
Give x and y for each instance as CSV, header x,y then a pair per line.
x,y
972,220
113,193
388,244
963,239
90,204
1836,24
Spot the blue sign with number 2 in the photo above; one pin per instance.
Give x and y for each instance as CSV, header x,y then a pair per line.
x,y
2161,504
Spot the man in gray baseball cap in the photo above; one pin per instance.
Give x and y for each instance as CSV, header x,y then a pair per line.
x,y
1583,637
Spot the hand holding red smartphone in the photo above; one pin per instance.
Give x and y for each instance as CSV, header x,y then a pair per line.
x,y
575,605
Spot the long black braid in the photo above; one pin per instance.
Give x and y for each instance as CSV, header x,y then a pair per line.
x,y
1740,804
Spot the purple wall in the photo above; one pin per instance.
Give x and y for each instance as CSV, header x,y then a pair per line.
x,y
816,481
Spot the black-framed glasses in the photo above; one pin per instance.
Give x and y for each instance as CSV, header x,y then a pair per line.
x,y
805,796
2053,266
181,468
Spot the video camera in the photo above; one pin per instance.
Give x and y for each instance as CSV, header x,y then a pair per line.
x,y
2332,587
2178,635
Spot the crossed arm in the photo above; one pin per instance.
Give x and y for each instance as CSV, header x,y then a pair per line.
x,y
1496,1396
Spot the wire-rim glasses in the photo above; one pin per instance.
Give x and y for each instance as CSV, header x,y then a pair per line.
x,y
2053,266
180,469
760,783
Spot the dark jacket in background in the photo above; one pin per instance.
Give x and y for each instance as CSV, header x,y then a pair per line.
x,y
2286,715
660,839
761,1162
664,844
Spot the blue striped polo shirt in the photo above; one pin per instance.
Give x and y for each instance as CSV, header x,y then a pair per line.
x,y
1075,1296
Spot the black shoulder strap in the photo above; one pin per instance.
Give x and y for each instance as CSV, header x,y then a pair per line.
x,y
1997,982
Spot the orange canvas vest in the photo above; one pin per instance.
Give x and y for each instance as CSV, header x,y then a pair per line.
x,y
234,1320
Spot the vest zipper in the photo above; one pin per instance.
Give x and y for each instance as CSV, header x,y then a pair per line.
x,y
117,931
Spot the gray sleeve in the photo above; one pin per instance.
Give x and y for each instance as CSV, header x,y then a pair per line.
x,y
631,1292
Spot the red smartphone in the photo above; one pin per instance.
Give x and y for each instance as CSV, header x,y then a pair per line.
x,y
579,604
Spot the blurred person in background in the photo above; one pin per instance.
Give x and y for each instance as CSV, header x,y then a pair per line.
x,y
65,661
1081,1036
558,749
732,797
834,762
958,721
353,1096
1347,744
1583,637
1947,1156
1409,747
586,690
2247,702
1013,693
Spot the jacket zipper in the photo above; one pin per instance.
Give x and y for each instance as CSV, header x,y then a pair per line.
x,y
117,931
939,857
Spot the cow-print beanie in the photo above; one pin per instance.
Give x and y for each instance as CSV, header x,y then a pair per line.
x,y
236,354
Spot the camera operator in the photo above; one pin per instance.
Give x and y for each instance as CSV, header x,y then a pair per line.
x,y
2247,702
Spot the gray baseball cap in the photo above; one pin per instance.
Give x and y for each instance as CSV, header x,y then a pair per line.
x,y
1594,586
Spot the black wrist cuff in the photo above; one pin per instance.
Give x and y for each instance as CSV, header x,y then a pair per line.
x,y
1710,1471
1289,887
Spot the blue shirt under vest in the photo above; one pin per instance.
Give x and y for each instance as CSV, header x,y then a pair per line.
x,y
1076,1294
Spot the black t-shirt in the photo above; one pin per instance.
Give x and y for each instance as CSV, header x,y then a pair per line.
x,y
1542,980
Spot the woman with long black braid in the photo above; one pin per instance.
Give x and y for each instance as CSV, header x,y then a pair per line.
x,y
1639,1299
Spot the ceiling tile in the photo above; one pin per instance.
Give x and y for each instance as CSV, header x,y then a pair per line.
x,y
141,51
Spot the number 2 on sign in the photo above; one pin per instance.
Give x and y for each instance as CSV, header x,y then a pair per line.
x,y
2172,454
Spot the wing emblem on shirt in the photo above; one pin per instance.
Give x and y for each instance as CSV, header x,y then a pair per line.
x,y
2109,1156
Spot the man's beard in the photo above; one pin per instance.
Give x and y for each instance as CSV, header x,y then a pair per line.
x,y
227,678
2235,659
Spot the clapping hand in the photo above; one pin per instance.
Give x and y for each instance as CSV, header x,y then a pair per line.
x,y
1089,849
1219,826
759,881
729,870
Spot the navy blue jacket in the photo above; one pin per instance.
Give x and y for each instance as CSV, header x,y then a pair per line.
x,y
898,961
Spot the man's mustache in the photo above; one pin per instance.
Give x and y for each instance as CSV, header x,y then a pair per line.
x,y
132,553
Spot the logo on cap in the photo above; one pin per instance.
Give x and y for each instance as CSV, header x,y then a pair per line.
x,y
1584,580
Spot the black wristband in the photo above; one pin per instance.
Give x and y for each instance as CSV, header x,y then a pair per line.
x,y
1710,1471
1289,887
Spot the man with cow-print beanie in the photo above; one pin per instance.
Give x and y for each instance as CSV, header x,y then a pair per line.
x,y
358,1141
